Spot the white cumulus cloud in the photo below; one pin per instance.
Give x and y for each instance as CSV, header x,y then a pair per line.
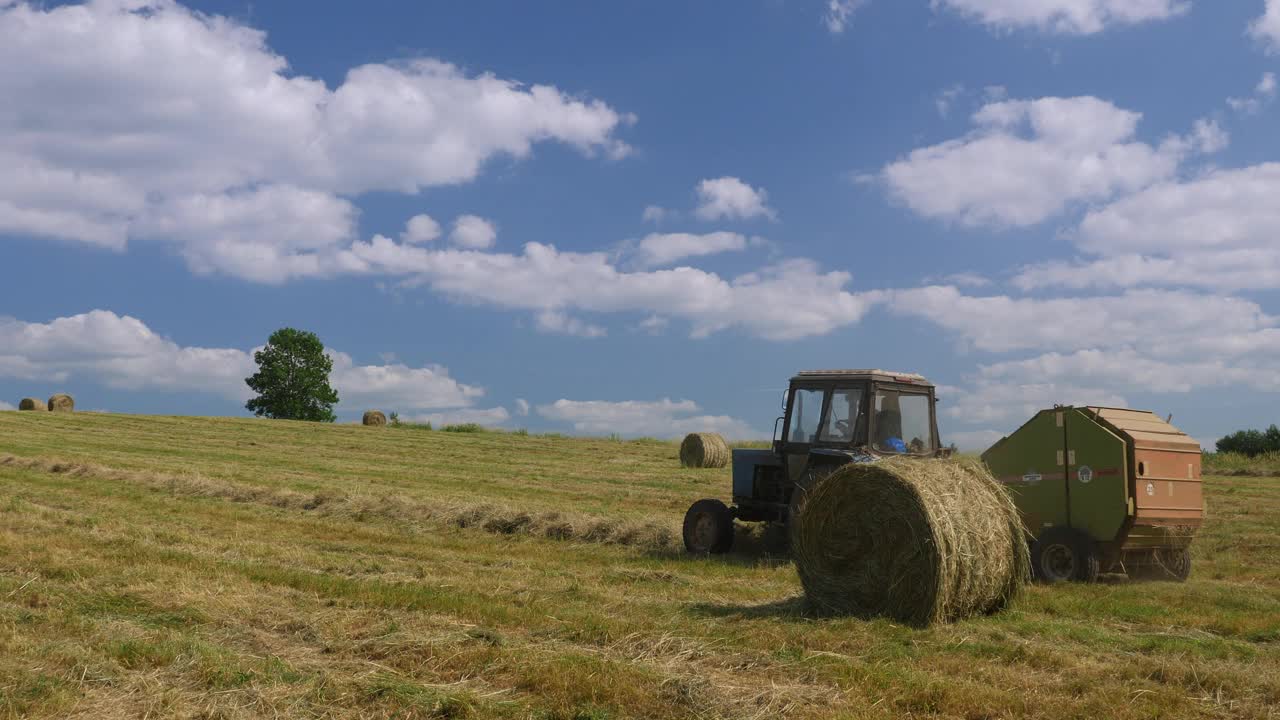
x,y
1266,28
487,417
1214,231
559,323
473,232
1097,349
132,120
662,249
1163,321
728,198
1008,402
1028,160
662,418
784,301
1069,17
420,229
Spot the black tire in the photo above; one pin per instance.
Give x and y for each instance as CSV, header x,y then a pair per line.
x,y
1064,555
1164,564
708,528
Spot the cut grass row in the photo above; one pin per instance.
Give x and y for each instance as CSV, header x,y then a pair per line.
x,y
122,597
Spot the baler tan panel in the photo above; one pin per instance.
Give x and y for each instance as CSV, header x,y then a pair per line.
x,y
1164,441
1124,416
1166,465
1168,484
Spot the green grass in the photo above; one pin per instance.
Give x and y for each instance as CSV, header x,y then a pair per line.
x,y
1264,465
221,568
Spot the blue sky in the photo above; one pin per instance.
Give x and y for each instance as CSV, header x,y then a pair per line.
x,y
644,217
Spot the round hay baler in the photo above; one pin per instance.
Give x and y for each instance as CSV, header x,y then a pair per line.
x,y
1103,490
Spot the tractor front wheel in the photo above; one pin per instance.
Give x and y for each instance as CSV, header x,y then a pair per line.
x,y
708,528
1064,554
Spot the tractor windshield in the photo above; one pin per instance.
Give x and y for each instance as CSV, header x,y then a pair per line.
x,y
806,413
844,421
903,423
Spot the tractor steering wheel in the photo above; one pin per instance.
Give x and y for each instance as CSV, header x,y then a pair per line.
x,y
842,427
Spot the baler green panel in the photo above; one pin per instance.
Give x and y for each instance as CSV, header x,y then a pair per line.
x,y
1098,477
1027,464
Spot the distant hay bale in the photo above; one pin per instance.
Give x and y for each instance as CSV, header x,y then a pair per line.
x,y
704,450
61,403
921,541
374,417
32,404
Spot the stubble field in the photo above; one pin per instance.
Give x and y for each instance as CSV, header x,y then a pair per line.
x,y
226,568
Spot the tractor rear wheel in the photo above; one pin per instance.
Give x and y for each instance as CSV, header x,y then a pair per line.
x,y
1064,554
708,528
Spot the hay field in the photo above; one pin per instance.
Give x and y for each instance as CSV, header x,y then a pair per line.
x,y
218,568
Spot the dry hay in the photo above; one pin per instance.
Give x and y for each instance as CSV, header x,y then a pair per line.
x,y
921,541
32,404
61,403
704,450
648,535
375,418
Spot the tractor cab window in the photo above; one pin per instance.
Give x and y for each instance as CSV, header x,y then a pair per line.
x,y
844,421
806,413
902,422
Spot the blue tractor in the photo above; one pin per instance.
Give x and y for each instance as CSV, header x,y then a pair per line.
x,y
830,418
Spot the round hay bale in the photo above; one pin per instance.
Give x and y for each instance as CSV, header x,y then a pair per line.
x,y
32,404
920,541
62,403
704,450
375,418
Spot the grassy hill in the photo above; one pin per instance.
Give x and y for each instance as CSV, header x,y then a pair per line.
x,y
222,568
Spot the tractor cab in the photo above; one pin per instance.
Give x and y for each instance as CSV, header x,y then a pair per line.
x,y
855,414
830,418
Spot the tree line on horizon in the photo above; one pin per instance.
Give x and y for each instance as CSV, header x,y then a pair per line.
x,y
1251,443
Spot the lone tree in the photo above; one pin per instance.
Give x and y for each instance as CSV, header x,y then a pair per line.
x,y
292,381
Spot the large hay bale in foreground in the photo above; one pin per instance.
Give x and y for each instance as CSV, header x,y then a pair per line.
x,y
32,404
704,450
375,418
921,541
62,403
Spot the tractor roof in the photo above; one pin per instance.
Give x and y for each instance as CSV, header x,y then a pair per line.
x,y
865,374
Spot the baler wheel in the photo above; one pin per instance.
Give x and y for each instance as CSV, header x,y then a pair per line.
x,y
708,528
1165,565
1064,554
